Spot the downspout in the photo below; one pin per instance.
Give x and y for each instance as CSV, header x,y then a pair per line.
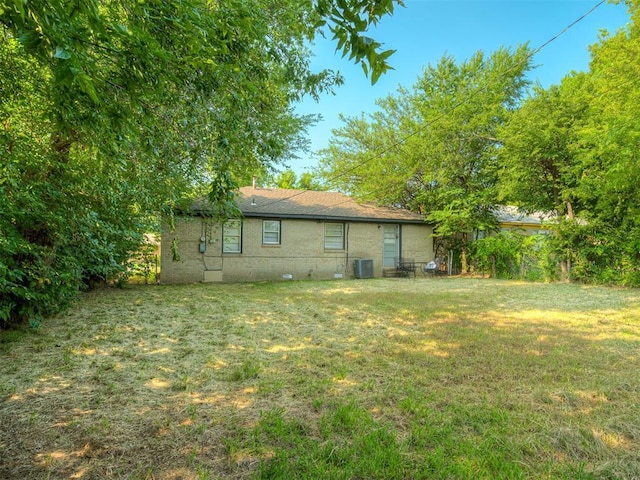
x,y
346,248
203,244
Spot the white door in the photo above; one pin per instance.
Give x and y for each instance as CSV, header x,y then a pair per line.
x,y
391,245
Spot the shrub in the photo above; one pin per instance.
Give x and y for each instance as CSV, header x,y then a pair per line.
x,y
515,255
498,255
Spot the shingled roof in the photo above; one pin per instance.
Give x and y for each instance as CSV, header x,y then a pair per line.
x,y
308,204
513,215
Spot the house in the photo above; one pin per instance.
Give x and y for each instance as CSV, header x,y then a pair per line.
x,y
292,234
511,218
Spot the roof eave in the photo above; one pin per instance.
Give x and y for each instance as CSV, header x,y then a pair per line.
x,y
335,218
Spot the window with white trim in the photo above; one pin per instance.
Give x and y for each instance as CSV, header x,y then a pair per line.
x,y
271,232
232,236
334,236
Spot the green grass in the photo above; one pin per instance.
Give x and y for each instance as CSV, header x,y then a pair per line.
x,y
396,379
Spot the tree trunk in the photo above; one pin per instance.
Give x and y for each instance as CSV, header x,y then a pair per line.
x,y
463,258
565,265
570,214
563,271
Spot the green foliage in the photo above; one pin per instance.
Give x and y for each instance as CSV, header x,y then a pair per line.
x,y
433,149
499,255
539,263
348,21
599,253
515,255
34,283
286,179
309,181
537,166
289,179
144,263
573,149
110,112
175,255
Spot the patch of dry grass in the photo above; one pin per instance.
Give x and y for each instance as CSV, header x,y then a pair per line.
x,y
465,378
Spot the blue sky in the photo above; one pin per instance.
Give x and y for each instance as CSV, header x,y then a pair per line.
x,y
425,30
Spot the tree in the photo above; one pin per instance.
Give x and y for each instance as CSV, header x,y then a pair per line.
x,y
573,149
110,112
434,150
608,150
308,181
289,179
609,139
538,167
286,179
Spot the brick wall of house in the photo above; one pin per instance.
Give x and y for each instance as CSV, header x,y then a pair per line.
x,y
300,255
189,266
417,243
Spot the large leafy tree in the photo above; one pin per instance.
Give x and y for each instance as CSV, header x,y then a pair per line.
x,y
573,149
434,149
289,179
609,139
605,246
111,111
538,165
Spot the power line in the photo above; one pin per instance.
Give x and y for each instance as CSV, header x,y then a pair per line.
x,y
457,105
596,96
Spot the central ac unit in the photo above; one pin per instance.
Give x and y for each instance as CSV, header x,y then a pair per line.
x,y
363,268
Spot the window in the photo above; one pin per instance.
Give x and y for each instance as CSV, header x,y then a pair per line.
x,y
271,232
334,236
232,236
480,234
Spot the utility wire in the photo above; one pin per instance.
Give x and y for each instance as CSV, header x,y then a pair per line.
x,y
457,105
593,97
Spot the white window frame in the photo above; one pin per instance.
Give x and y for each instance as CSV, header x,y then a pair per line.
x,y
271,228
232,230
331,238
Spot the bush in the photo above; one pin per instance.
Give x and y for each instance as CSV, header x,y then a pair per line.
x,y
35,281
600,254
50,253
498,255
514,255
144,263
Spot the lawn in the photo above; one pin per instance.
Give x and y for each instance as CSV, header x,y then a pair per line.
x,y
350,379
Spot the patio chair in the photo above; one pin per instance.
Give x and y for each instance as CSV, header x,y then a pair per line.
x,y
433,267
406,266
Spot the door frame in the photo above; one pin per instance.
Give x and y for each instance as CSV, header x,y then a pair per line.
x,y
387,261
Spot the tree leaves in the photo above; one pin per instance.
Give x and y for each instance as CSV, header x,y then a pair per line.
x,y
128,107
573,148
61,53
433,149
348,21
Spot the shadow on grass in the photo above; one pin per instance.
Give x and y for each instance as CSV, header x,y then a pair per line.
x,y
404,379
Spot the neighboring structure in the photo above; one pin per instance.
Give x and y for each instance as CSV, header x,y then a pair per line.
x,y
513,219
296,234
